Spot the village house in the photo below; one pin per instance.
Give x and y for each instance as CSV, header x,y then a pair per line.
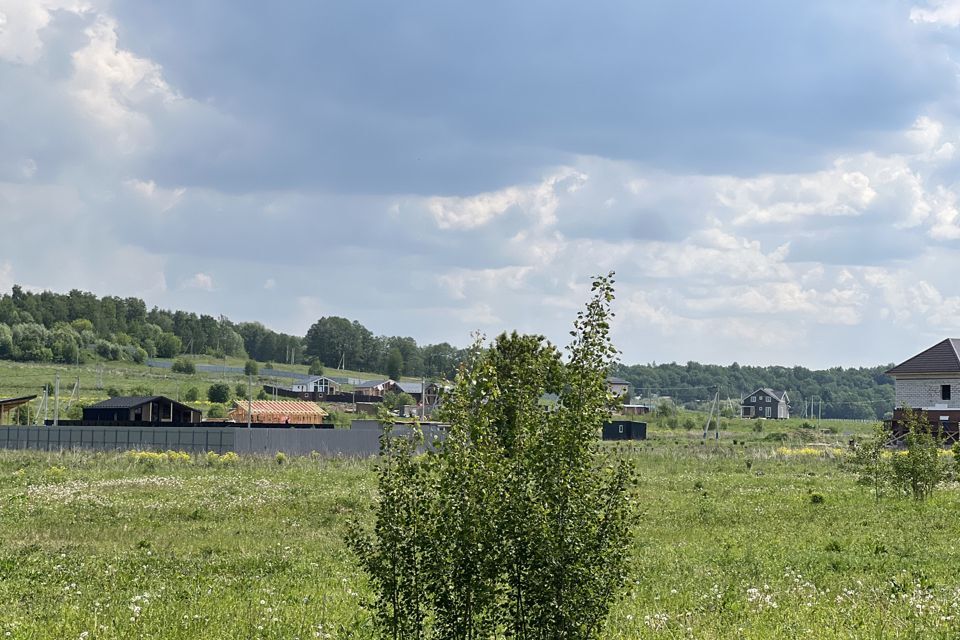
x,y
618,386
376,388
277,412
157,410
765,403
318,385
930,382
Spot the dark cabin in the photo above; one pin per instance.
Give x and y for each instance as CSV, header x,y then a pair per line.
x,y
154,410
765,403
624,430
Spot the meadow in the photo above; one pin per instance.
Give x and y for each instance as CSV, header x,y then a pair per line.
x,y
749,540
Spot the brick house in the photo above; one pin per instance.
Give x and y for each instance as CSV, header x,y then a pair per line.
x,y
765,403
930,382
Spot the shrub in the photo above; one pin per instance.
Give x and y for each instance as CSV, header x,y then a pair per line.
x,y
507,531
219,392
316,368
217,411
192,394
240,390
113,392
816,498
140,390
281,457
250,368
216,460
182,365
919,470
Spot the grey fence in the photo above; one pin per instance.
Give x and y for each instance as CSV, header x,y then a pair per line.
x,y
362,442
194,440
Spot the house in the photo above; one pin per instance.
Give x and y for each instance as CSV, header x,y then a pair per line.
x,y
154,410
317,385
618,386
277,412
930,382
765,403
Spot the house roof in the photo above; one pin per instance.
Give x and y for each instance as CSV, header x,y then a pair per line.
x,y
411,387
780,396
282,407
15,402
370,384
312,379
131,402
940,358
616,380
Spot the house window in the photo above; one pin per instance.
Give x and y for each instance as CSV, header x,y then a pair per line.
x,y
768,412
753,398
768,398
944,392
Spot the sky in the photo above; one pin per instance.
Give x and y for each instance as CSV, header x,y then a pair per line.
x,y
773,182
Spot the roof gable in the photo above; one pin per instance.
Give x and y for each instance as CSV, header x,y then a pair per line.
x,y
779,396
940,358
132,402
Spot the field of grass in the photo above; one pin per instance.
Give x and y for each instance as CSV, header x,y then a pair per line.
x,y
753,540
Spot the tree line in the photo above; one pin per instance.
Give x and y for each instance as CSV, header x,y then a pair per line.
x,y
864,393
79,327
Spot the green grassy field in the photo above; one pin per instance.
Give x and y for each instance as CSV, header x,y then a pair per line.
x,y
731,543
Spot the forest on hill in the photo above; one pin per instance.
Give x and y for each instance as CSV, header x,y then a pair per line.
x,y
853,393
79,327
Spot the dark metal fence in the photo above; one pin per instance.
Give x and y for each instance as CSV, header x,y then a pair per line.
x,y
194,440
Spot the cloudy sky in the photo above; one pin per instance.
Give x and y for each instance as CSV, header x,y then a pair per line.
x,y
774,182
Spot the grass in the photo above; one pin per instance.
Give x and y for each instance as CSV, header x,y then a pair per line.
x,y
753,540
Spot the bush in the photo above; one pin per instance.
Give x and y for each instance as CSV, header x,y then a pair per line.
x,y
182,365
281,457
918,470
217,411
316,368
192,394
240,390
140,390
250,368
219,392
113,392
521,504
262,394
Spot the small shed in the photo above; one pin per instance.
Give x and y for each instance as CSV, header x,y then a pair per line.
x,y
278,412
9,405
151,409
624,430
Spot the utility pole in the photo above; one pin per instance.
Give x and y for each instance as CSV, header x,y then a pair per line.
x,y
249,403
56,401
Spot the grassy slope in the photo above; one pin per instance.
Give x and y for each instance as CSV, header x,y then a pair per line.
x,y
729,545
18,379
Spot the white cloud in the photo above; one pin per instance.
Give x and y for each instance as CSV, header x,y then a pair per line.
x,y
199,281
943,12
115,87
538,201
21,22
158,197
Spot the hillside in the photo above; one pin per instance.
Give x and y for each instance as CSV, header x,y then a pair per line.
x,y
854,393
83,330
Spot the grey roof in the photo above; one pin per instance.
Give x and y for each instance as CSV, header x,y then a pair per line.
x,y
411,387
131,402
312,379
370,384
780,396
940,358
616,380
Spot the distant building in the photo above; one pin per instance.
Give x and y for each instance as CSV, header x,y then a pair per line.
x,y
765,403
277,412
618,386
319,385
930,382
624,430
154,410
376,387
9,405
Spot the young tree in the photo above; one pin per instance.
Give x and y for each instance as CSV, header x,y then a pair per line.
x,y
523,513
395,364
250,368
316,368
219,392
918,469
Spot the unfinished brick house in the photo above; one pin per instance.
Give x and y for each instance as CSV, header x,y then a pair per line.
x,y
930,382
